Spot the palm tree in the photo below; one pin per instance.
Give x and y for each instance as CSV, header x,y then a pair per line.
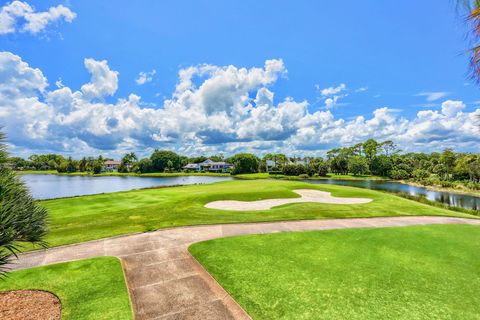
x,y
21,218
473,18
129,158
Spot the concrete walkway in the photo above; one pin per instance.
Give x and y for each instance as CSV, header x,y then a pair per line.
x,y
165,282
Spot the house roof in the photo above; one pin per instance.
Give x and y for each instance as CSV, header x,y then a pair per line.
x,y
191,166
221,163
113,162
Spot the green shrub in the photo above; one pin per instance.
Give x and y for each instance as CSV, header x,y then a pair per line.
x,y
293,169
420,174
399,174
22,219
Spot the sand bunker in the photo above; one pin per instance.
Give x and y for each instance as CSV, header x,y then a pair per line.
x,y
307,195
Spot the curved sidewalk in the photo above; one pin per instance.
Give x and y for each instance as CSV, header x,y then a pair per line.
x,y
166,282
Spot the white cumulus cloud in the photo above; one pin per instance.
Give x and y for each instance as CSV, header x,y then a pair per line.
x,y
333,94
20,16
212,109
145,77
333,90
104,82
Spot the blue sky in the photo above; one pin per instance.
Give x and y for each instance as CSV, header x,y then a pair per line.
x,y
340,72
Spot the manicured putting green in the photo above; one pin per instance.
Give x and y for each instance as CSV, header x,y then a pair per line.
x,y
100,216
424,272
88,289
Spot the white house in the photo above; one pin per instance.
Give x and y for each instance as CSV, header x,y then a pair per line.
x,y
111,165
192,167
208,165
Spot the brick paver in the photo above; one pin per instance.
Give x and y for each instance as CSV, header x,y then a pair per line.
x,y
165,282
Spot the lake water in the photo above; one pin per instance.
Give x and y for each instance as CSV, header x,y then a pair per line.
x,y
453,199
48,186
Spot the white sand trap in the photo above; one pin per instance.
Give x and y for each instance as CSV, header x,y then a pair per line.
x,y
307,195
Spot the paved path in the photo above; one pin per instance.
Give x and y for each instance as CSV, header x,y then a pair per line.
x,y
165,282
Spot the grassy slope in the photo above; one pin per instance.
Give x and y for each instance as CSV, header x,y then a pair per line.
x,y
91,217
428,272
88,289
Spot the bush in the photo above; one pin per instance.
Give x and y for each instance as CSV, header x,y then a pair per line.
x,y
420,174
304,176
62,167
473,185
293,169
447,184
317,168
399,174
21,218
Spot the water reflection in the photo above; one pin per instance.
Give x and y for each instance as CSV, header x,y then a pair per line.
x,y
48,186
452,199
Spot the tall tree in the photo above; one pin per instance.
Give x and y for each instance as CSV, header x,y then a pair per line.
x,y
127,162
244,163
370,148
21,218
160,160
357,165
447,158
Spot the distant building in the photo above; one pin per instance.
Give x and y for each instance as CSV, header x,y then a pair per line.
x,y
192,167
270,165
111,165
208,165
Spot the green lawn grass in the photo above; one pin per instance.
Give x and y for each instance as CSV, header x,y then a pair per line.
x,y
84,218
88,289
424,272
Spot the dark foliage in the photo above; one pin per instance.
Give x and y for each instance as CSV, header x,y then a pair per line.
x,y
21,218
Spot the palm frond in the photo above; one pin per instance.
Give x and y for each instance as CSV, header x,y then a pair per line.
x,y
22,219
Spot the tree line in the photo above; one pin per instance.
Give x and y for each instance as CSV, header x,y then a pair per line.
x,y
371,157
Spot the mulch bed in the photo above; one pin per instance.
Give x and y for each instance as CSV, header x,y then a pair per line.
x,y
29,305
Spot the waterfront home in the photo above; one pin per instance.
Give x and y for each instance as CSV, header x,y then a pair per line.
x,y
213,166
208,165
111,166
192,167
